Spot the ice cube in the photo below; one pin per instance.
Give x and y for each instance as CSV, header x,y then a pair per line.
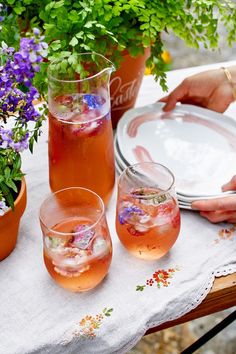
x,y
162,220
54,242
141,228
69,257
100,246
144,219
71,272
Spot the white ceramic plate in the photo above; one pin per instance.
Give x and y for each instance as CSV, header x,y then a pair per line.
x,y
196,144
183,204
118,169
123,164
188,199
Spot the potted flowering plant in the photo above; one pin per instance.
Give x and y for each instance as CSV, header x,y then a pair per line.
x,y
20,126
117,27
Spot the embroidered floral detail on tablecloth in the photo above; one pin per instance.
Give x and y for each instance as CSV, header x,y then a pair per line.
x,y
161,278
228,234
89,325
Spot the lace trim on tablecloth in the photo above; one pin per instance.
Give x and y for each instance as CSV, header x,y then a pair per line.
x,y
202,293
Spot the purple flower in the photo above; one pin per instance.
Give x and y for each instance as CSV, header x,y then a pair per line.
x,y
92,101
9,140
16,90
36,31
17,95
128,213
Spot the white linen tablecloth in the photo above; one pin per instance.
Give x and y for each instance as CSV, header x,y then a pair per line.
x,y
38,317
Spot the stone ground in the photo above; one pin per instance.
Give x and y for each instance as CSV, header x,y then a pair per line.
x,y
183,57
176,339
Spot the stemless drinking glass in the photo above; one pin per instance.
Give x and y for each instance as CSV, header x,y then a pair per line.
x,y
147,212
80,131
76,240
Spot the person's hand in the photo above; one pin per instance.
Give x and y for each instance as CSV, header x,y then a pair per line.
x,y
219,209
209,89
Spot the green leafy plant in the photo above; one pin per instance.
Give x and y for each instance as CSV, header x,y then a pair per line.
x,y
111,26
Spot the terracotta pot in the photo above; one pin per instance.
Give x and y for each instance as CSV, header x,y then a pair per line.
x,y
125,84
9,223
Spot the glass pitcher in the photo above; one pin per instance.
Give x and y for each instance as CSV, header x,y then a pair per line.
x,y
80,131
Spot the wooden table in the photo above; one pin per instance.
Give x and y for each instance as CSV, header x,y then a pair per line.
x,y
221,297
223,293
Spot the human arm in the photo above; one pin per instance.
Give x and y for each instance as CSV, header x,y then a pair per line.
x,y
219,209
210,89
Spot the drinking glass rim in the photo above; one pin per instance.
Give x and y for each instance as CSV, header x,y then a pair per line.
x,y
72,233
149,163
112,68
83,123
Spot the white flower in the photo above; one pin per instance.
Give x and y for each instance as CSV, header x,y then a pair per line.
x,y
3,207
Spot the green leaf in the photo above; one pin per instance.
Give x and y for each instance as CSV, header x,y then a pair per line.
x,y
11,185
64,65
80,35
59,4
85,46
7,172
55,45
19,10
31,144
73,16
73,59
74,42
11,2
107,312
89,24
49,26
49,6
90,35
140,287
7,194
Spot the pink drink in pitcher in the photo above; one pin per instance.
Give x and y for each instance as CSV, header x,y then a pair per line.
x,y
81,145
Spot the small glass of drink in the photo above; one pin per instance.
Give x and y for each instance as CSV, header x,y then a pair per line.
x,y
147,212
76,240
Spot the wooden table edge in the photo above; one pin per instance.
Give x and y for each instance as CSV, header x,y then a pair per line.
x,y
221,297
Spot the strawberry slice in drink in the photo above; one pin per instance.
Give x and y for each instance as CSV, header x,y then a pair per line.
x,y
64,100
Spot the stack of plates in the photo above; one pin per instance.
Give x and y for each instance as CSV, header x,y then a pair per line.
x,y
196,144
